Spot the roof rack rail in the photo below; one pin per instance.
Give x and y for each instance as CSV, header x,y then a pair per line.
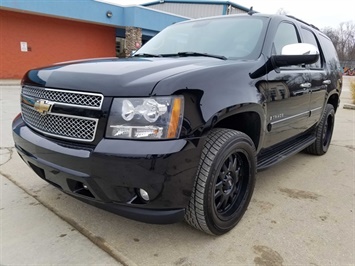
x,y
312,26
251,11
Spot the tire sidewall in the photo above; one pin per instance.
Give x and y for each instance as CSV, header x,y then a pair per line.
x,y
329,113
232,145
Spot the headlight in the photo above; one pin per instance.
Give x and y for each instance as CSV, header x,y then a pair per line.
x,y
146,118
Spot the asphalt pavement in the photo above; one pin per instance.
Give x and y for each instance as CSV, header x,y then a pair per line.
x,y
302,212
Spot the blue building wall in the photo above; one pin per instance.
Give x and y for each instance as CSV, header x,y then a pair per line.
x,y
91,11
223,3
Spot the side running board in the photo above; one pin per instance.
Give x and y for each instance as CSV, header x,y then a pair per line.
x,y
272,156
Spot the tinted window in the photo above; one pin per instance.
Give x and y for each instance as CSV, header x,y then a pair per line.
x,y
286,34
330,54
232,37
308,37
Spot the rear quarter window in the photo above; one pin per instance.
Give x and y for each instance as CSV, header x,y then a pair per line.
x,y
330,54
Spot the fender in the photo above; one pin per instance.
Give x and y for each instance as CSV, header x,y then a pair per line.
x,y
214,93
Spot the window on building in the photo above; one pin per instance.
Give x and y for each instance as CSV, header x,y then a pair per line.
x,y
120,46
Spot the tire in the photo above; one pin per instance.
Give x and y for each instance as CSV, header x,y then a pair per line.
x,y
324,132
224,182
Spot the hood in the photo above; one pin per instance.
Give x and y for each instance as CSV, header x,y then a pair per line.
x,y
117,77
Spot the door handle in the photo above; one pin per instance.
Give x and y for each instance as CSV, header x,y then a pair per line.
x,y
301,92
306,85
327,82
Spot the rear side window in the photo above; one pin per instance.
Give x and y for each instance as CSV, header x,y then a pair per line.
x,y
286,34
330,54
308,37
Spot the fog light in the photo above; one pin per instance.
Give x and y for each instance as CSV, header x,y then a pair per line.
x,y
85,187
144,194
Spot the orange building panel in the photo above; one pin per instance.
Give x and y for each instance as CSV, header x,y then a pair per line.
x,y
45,40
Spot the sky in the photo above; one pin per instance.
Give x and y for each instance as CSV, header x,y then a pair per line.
x,y
321,13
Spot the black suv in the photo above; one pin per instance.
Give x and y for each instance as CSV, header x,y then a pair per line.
x,y
180,129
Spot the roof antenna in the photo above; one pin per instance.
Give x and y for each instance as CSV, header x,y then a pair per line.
x,y
251,11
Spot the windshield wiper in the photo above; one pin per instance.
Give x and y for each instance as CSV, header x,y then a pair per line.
x,y
182,54
147,55
201,54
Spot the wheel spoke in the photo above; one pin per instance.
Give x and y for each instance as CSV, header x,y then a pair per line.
x,y
233,197
224,202
234,189
237,176
237,171
234,165
230,199
236,192
217,194
219,185
218,190
224,168
230,162
220,203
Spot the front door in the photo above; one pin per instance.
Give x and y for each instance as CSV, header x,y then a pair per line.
x,y
287,93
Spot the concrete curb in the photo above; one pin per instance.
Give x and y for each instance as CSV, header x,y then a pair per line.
x,y
349,106
50,231
10,82
96,240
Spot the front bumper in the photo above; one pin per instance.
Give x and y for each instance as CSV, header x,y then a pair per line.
x,y
110,174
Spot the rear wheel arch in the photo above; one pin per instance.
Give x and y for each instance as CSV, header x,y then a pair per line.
x,y
334,100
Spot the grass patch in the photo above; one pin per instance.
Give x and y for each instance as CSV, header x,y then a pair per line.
x,y
352,88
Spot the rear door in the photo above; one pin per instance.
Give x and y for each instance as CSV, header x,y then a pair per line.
x,y
317,77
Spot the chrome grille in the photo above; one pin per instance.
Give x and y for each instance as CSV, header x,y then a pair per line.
x,y
88,100
59,125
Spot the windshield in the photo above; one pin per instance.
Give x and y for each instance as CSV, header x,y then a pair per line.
x,y
231,36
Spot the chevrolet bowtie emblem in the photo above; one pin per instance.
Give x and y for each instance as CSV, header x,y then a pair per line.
x,y
42,106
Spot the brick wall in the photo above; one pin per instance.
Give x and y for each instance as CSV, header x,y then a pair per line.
x,y
133,40
49,40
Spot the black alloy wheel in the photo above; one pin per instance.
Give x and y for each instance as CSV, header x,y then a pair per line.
x,y
230,184
224,182
323,132
328,130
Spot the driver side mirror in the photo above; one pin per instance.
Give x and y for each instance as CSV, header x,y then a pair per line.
x,y
291,54
296,54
